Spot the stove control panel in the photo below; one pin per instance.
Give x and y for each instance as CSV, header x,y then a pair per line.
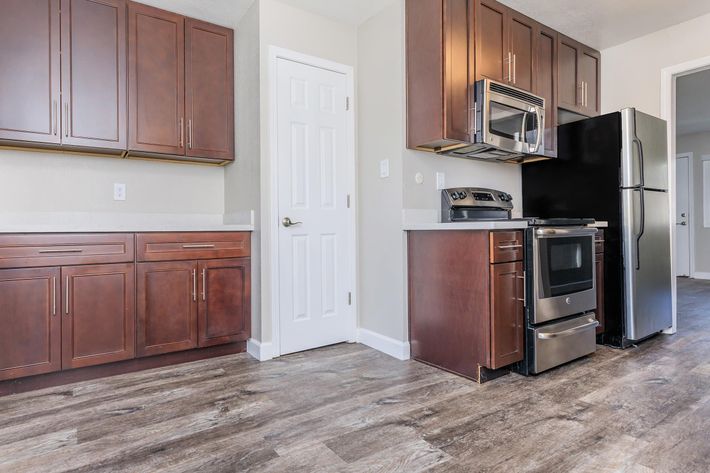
x,y
477,197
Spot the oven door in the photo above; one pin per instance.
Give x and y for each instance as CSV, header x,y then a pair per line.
x,y
564,272
511,124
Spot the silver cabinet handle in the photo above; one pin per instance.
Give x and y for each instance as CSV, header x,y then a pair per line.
x,y
204,283
585,93
506,247
189,133
198,245
66,120
54,118
181,126
288,223
524,300
66,296
58,251
568,332
194,285
515,70
54,295
580,87
510,61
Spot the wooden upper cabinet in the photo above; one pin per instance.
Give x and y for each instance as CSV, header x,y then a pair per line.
x,y
30,339
507,314
439,73
30,70
579,77
156,93
98,312
93,110
493,55
224,301
209,90
546,82
522,48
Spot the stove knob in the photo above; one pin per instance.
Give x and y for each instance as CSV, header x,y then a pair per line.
x,y
454,196
462,195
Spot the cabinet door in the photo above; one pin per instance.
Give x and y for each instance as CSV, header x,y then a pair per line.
x,y
209,90
224,301
29,70
546,83
600,291
166,307
507,314
522,40
98,314
94,73
493,56
156,92
589,76
569,86
30,339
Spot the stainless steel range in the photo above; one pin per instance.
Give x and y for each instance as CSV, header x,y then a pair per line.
x,y
560,276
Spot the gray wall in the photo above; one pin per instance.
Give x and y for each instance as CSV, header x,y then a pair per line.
x,y
699,145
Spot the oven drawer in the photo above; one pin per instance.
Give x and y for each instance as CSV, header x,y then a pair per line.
x,y
192,246
38,250
558,343
506,247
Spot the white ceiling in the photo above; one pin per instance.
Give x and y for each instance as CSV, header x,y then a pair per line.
x,y
220,12
605,23
693,103
354,12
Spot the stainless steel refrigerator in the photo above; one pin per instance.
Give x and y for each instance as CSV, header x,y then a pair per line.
x,y
615,168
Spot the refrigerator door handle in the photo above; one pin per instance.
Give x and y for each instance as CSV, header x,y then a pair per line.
x,y
642,228
639,144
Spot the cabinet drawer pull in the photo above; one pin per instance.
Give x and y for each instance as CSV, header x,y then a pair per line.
x,y
599,241
58,251
195,246
204,283
507,247
194,285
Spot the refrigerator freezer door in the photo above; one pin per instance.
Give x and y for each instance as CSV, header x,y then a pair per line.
x,y
644,145
647,263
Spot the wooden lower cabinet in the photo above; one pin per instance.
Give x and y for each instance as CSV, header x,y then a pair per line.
x,y
166,307
98,314
224,309
507,308
30,339
466,314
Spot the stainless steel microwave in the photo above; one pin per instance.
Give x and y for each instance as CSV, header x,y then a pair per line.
x,y
508,124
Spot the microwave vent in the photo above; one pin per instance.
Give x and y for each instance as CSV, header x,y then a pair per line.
x,y
517,93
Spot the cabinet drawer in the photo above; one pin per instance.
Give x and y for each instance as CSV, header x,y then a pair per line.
x,y
506,246
192,246
25,251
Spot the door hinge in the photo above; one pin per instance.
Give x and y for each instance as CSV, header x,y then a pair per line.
x,y
347,104
350,298
348,200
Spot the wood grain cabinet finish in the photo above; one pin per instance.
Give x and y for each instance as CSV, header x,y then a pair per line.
x,y
192,246
507,309
209,90
546,82
590,70
522,50
506,246
166,307
493,57
93,111
30,71
224,313
98,314
579,69
156,90
30,339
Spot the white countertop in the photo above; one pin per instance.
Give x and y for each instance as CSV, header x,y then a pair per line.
x,y
122,228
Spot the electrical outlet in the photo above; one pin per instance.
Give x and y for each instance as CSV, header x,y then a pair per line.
x,y
440,181
119,191
385,168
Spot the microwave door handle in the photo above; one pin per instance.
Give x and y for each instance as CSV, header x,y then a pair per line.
x,y
540,129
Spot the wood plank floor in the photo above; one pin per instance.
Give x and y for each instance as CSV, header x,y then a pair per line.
x,y
348,408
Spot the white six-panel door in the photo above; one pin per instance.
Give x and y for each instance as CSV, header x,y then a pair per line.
x,y
313,261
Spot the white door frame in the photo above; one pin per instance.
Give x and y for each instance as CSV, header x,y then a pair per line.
x,y
275,54
668,113
691,210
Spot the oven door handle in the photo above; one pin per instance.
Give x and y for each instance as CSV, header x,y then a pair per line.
x,y
558,232
568,332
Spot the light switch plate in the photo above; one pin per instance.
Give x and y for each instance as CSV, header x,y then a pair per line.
x,y
385,168
440,181
119,191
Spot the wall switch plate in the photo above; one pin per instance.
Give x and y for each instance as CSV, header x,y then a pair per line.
x,y
440,181
419,178
385,168
119,191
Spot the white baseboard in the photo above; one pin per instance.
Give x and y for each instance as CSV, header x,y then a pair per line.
x,y
697,275
390,346
259,351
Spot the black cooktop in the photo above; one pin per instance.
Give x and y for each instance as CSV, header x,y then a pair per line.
x,y
558,222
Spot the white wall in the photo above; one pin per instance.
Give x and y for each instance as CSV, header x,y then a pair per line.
x,y
699,145
291,28
631,72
